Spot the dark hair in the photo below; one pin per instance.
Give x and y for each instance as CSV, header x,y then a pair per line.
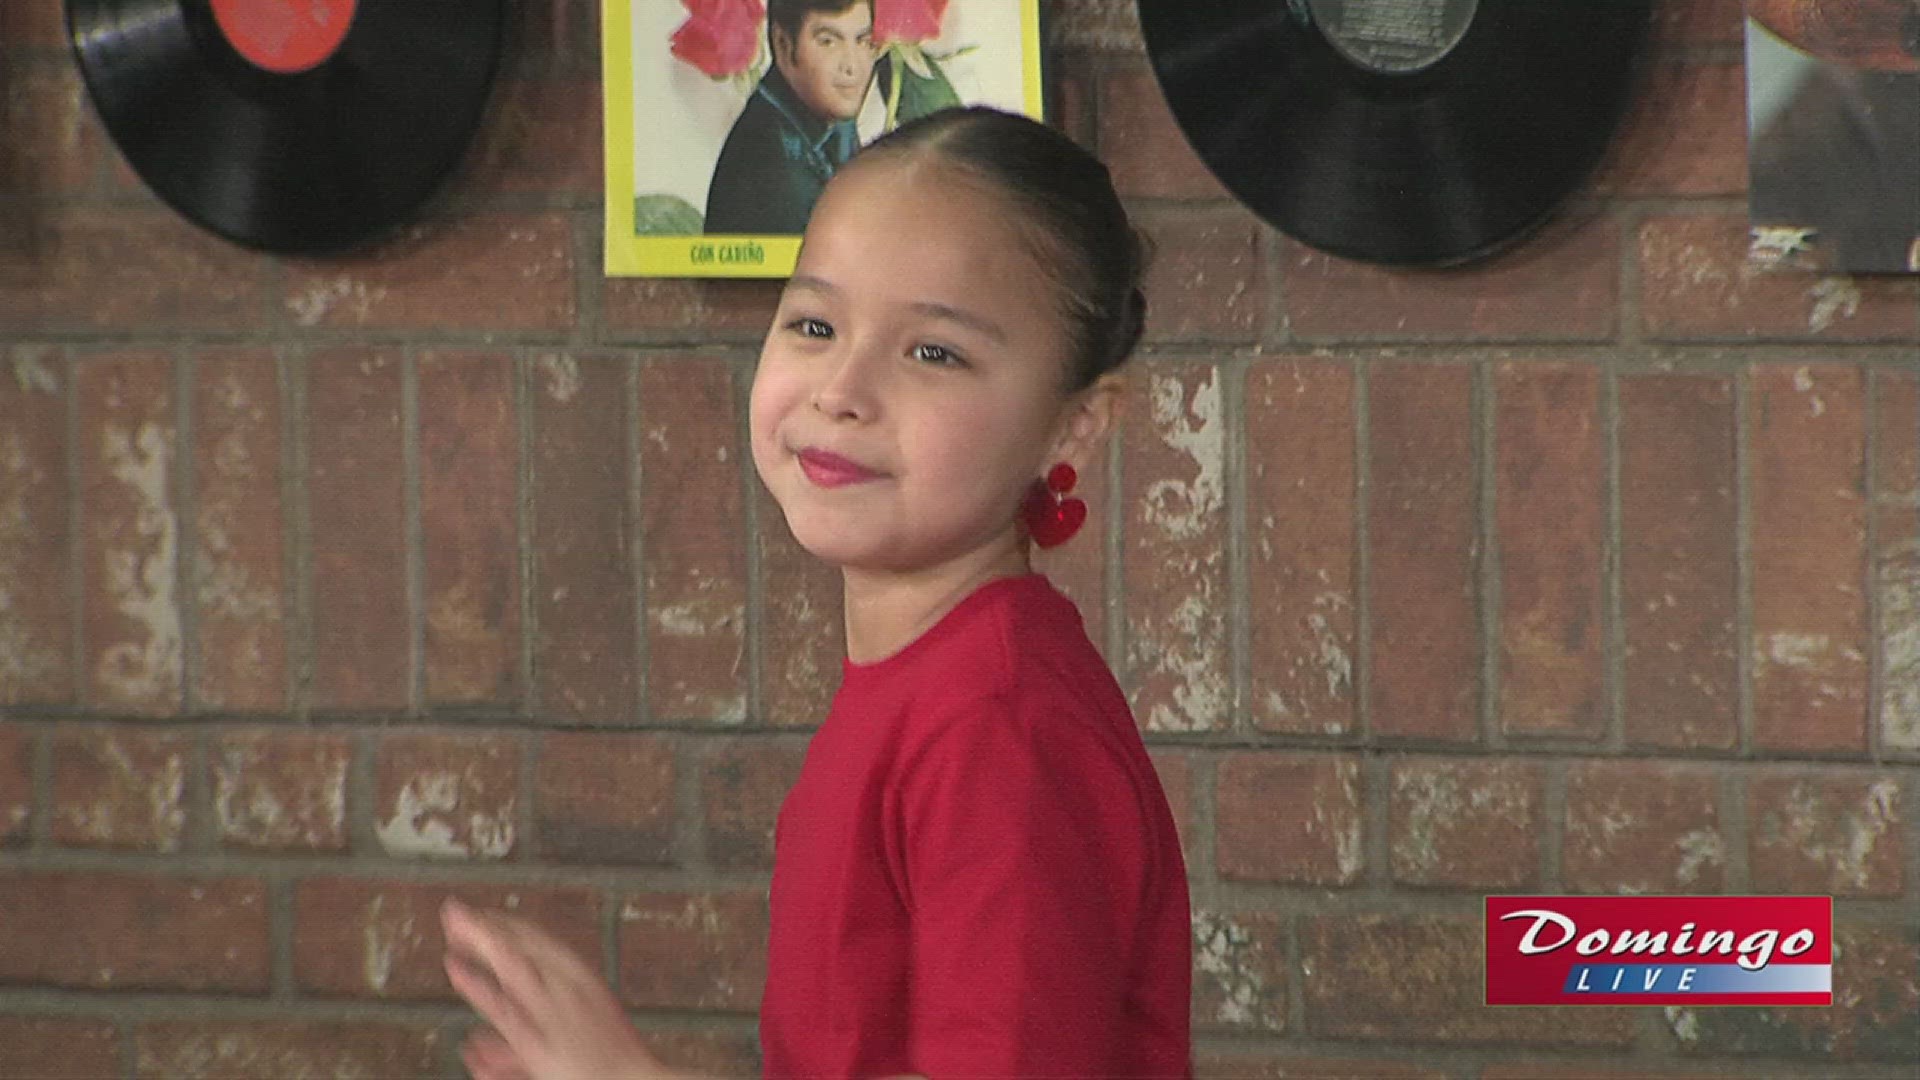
x,y
791,15
1073,217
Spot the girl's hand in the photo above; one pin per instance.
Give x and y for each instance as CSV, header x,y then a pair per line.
x,y
552,1017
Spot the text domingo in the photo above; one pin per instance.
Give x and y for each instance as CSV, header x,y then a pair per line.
x,y
744,253
1755,951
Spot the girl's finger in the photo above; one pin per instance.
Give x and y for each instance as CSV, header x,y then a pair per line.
x,y
491,941
488,1057
553,958
493,1002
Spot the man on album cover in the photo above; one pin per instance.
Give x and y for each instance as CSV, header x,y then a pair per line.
x,y
799,125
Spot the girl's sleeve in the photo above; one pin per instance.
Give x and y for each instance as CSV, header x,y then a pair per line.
x,y
1025,850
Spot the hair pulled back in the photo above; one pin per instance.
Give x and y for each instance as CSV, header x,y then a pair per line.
x,y
1066,207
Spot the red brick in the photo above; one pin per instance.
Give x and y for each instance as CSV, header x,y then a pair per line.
x,y
1282,1065
130,533
1423,977
1561,284
1294,818
1240,972
16,783
36,578
1643,827
605,798
102,931
1807,451
1208,276
544,136
694,950
706,1053
362,647
1106,25
802,628
1697,282
58,1048
743,784
447,796
248,1049
239,542
1143,145
1699,22
1875,1015
1175,771
492,270
119,787
1425,651
382,939
1550,502
712,310
1685,133
694,525
33,23
1678,576
585,650
281,790
53,141
469,528
1174,446
1896,528
1829,833
143,269
1465,823
1302,546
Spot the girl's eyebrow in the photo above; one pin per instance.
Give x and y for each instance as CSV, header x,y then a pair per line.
x,y
929,308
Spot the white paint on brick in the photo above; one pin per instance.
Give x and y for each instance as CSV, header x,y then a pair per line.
x,y
164,792
143,587
1900,647
1224,952
1699,848
1435,799
1684,1022
313,305
32,374
1193,426
419,826
1833,297
563,376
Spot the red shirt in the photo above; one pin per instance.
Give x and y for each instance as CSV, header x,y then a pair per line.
x,y
977,874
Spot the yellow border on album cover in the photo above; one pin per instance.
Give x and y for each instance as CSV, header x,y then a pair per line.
x,y
713,118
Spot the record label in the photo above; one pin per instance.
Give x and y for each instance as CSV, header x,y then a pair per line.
x,y
1394,37
284,36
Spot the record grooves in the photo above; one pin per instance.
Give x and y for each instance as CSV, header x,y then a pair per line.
x,y
1413,132
307,161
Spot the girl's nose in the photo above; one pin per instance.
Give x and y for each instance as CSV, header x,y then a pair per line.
x,y
849,392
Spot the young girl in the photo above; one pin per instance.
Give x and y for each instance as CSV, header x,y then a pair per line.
x,y
976,874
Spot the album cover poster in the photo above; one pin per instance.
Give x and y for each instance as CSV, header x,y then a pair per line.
x,y
725,118
1833,133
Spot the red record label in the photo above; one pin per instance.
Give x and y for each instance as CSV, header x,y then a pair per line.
x,y
284,36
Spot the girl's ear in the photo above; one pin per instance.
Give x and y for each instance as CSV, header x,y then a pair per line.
x,y
1089,417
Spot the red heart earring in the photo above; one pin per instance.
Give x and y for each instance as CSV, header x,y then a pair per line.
x,y
1052,520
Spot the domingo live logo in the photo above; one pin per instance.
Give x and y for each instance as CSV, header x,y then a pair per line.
x,y
1659,950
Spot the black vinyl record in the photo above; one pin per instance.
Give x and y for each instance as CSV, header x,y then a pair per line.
x,y
270,125
1407,132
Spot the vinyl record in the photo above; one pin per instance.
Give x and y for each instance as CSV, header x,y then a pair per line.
x,y
1408,132
298,127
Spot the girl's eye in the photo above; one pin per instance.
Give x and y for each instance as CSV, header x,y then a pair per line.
x,y
938,355
812,328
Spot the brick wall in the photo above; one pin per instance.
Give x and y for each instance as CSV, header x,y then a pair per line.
x,y
330,589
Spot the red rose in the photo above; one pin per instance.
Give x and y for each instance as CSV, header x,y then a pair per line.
x,y
907,20
720,37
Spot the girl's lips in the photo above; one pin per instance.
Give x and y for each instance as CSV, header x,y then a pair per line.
x,y
831,470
